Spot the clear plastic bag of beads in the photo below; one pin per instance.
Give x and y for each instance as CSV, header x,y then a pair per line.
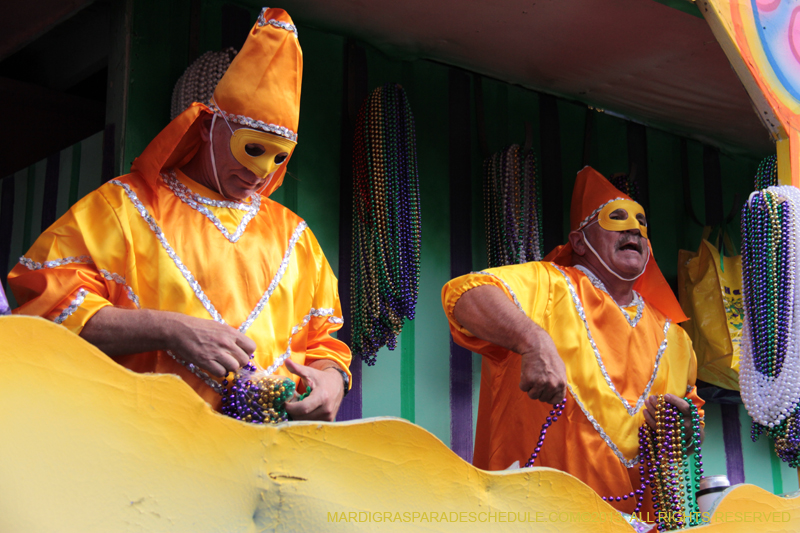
x,y
257,396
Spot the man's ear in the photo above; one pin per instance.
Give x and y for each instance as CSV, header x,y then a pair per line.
x,y
577,240
205,126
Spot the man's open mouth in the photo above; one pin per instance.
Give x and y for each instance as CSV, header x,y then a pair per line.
x,y
631,245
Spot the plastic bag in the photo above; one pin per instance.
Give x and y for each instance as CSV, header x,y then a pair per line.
x,y
710,292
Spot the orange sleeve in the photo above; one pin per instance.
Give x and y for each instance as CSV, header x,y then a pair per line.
x,y
62,277
328,318
526,285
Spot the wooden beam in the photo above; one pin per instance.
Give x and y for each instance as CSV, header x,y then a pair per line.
x,y
22,22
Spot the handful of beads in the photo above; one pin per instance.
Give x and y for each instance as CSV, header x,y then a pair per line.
x,y
673,479
665,455
257,397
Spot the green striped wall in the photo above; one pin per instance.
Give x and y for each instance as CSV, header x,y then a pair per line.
x,y
79,174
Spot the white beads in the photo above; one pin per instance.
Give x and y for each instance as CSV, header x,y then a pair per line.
x,y
770,399
200,79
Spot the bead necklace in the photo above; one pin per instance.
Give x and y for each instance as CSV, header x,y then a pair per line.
x,y
557,411
665,451
258,398
767,173
664,454
512,206
252,395
769,374
624,183
387,225
198,82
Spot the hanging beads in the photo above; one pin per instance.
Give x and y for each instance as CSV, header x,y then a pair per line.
x,y
673,479
200,79
512,207
767,173
625,183
387,227
666,464
558,410
769,374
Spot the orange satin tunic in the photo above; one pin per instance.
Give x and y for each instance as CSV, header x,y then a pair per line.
x,y
165,242
596,439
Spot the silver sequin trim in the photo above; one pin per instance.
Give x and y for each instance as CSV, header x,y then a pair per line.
x,y
195,200
73,306
637,300
590,217
262,21
33,265
86,260
276,279
306,319
327,312
116,278
204,299
253,123
241,206
629,463
661,349
154,227
513,296
200,373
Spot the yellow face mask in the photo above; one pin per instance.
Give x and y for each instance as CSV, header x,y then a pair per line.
x,y
629,206
261,152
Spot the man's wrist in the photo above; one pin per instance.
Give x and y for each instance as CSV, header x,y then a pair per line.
x,y
345,378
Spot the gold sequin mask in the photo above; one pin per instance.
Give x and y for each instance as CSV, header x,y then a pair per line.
x,y
260,152
631,222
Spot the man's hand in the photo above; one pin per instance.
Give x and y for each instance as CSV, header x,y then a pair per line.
x,y
543,375
683,407
216,348
327,391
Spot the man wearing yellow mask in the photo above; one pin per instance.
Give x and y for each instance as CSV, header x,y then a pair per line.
x,y
185,265
598,327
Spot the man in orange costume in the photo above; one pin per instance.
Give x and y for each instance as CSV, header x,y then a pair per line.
x,y
185,265
598,326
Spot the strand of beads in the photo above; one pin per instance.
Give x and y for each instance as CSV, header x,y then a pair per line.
x,y
198,82
512,207
626,183
387,225
767,173
257,398
769,374
665,451
555,412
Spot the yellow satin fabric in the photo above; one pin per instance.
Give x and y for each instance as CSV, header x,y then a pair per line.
x,y
108,239
509,422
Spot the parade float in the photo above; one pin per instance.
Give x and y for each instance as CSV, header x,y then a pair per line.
x,y
90,446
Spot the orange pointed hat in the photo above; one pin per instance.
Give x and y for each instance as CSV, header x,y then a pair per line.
x,y
591,193
260,90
